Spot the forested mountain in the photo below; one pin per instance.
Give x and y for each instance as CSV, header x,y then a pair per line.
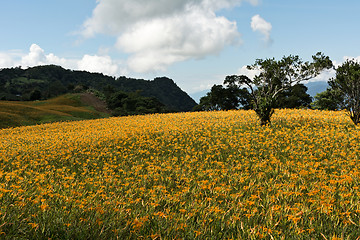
x,y
44,82
164,89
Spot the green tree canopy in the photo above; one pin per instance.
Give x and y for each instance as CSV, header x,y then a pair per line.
x,y
275,77
122,103
327,100
347,83
294,97
224,98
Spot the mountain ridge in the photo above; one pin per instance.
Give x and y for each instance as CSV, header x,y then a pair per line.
x,y
48,81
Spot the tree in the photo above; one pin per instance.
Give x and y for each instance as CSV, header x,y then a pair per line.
x,y
224,98
213,99
327,100
294,97
241,96
276,77
122,104
35,95
347,83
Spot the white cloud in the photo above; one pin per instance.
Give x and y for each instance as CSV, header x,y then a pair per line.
x,y
101,64
324,76
160,32
114,16
331,73
37,56
258,24
6,60
158,43
345,58
247,72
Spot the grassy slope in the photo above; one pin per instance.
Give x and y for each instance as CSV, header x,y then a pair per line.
x,y
62,108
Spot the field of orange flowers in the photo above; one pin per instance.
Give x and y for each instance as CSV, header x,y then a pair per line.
x,y
208,175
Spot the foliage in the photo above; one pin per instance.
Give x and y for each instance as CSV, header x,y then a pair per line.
x,y
122,104
347,83
233,97
19,84
162,88
276,77
329,99
100,95
294,97
203,175
220,98
35,95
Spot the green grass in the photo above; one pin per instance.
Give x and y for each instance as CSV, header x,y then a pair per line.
x,y
63,108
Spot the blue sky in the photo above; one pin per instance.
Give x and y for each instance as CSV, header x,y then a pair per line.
x,y
194,42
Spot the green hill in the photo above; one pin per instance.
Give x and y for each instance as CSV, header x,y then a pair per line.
x,y
44,82
62,108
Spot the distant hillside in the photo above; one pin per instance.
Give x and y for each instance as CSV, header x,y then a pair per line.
x,y
44,82
164,89
197,95
63,108
316,87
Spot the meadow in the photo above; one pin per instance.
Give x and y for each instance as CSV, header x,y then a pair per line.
x,y
63,108
200,175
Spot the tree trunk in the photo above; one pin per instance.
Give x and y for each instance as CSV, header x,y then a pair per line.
x,y
264,114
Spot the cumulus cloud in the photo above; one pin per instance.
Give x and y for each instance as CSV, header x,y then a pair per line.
x,y
102,64
6,60
158,33
331,73
324,76
258,24
158,43
37,56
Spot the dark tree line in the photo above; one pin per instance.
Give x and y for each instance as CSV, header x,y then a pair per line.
x,y
278,85
234,97
224,98
131,103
